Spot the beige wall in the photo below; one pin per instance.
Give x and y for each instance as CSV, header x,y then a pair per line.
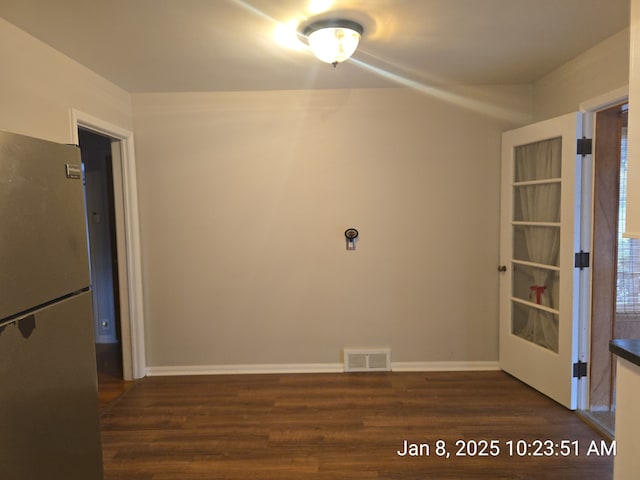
x,y
598,71
244,200
39,86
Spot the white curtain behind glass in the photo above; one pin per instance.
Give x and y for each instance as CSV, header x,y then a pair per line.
x,y
539,161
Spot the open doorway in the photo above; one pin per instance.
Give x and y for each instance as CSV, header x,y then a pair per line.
x,y
123,167
103,253
615,308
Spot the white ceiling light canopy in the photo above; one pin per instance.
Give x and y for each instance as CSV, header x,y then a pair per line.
x,y
333,40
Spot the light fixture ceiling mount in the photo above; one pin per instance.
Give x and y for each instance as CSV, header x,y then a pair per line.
x,y
333,40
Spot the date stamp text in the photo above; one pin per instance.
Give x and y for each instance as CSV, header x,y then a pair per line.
x,y
513,448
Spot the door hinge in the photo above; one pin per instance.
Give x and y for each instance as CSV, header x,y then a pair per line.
x,y
584,146
582,260
579,369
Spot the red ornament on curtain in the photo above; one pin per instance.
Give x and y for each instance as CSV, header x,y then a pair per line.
x,y
539,289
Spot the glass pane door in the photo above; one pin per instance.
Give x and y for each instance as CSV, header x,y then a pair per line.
x,y
537,192
540,233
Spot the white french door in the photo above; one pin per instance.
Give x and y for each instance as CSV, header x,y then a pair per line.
x,y
540,234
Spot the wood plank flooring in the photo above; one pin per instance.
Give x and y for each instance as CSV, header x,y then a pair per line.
x,y
109,366
110,388
338,427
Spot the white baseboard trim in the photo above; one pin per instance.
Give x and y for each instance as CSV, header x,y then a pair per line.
x,y
244,369
315,368
444,366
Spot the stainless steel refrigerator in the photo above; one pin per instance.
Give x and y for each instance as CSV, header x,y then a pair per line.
x,y
49,417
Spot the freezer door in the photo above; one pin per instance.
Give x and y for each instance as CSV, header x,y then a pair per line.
x,y
43,240
49,417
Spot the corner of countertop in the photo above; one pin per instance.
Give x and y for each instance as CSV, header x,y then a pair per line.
x,y
629,349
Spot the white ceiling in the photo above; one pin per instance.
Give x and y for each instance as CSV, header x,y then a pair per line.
x,y
217,45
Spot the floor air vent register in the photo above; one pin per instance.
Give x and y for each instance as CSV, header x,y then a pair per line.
x,y
364,360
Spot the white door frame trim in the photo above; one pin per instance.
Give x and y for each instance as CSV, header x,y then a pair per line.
x,y
591,107
131,229
602,102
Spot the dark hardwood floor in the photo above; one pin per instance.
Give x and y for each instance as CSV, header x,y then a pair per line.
x,y
110,389
109,366
341,427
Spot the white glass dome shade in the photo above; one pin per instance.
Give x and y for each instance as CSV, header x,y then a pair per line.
x,y
333,41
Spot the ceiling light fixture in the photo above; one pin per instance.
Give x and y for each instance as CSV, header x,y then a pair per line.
x,y
333,40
